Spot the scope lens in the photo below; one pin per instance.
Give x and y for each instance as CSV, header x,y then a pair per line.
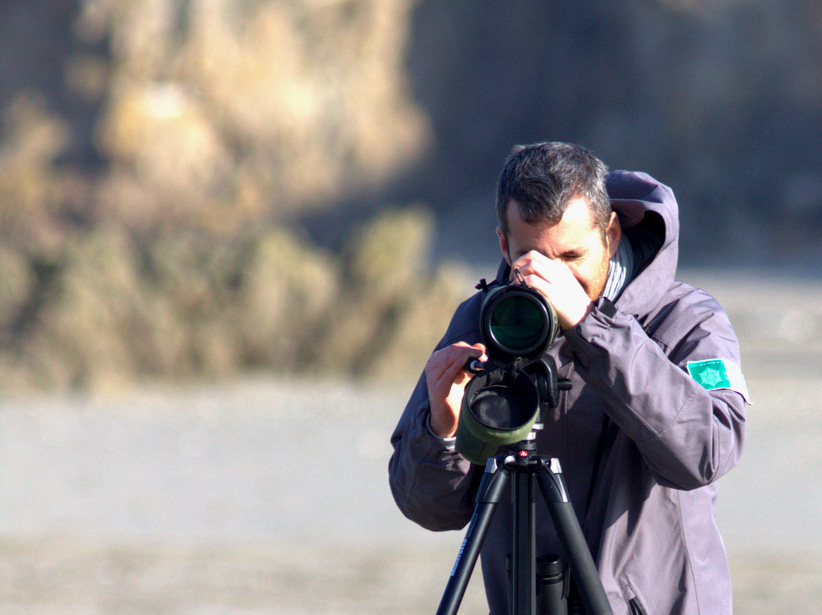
x,y
518,323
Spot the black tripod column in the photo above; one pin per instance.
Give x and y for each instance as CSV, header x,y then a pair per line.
x,y
523,579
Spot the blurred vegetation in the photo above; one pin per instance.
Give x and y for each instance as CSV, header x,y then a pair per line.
x,y
152,240
198,188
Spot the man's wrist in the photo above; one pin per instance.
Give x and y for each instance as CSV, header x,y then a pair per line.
x,y
567,322
449,442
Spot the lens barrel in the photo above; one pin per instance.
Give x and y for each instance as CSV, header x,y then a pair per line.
x,y
517,321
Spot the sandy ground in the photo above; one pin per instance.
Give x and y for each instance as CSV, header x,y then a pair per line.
x,y
271,496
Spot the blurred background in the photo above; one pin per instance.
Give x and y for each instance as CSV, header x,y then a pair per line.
x,y
202,188
230,226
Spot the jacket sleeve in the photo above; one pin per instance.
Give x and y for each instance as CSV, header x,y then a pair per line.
x,y
688,436
433,484
430,481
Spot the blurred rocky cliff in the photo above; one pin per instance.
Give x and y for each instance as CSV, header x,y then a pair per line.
x,y
196,188
153,153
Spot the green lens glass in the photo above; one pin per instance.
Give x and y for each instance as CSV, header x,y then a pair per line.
x,y
517,323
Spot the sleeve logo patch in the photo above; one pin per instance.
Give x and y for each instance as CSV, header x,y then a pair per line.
x,y
711,374
718,374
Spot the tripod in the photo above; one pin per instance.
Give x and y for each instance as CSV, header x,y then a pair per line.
x,y
526,468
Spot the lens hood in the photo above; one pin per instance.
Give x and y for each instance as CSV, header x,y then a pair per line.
x,y
500,406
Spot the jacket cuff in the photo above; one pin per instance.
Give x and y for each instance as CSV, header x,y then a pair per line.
x,y
595,324
425,442
449,443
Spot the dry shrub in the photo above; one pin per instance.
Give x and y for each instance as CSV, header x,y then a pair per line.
x,y
113,309
30,187
100,328
289,288
16,285
391,310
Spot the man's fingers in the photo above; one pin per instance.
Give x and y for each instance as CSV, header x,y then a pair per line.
x,y
533,264
451,375
446,379
445,365
454,354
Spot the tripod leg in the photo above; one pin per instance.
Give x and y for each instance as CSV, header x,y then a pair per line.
x,y
493,484
565,521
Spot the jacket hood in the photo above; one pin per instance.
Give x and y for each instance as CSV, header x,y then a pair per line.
x,y
646,208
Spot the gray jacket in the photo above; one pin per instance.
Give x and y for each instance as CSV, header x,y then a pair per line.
x,y
640,441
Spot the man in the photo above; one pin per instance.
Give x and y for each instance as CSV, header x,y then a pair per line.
x,y
656,412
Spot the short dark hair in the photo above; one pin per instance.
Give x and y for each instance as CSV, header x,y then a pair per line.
x,y
545,177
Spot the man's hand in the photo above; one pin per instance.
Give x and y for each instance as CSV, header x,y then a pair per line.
x,y
446,378
555,280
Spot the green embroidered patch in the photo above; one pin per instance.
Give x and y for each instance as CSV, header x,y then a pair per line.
x,y
719,374
711,374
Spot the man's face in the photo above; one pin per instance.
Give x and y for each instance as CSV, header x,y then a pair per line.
x,y
575,241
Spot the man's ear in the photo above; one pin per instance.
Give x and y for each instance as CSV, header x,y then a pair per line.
x,y
503,245
613,233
